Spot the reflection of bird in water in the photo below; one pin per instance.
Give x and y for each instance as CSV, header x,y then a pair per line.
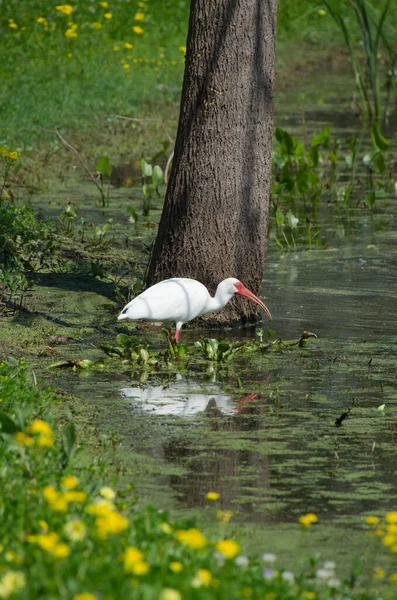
x,y
180,300
181,397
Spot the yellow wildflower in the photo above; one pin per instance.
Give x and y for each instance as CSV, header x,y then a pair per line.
x,y
170,594
391,517
13,155
126,66
393,577
128,46
49,493
96,26
74,496
43,525
182,49
139,16
176,566
100,508
23,439
46,441
116,48
108,15
140,568
224,516
47,541
138,30
11,582
61,551
192,538
108,493
212,495
371,520
41,20
321,12
309,595
71,33
203,578
39,426
69,482
132,556
85,596
392,528
389,540
308,519
12,24
75,530
112,523
229,548
65,9
104,4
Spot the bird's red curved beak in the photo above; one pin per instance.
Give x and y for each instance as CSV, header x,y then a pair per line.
x,y
244,292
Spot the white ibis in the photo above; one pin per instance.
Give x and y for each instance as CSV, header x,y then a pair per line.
x,y
180,300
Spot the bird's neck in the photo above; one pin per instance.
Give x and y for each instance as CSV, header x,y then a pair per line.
x,y
220,300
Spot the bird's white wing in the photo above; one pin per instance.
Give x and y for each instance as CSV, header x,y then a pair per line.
x,y
178,299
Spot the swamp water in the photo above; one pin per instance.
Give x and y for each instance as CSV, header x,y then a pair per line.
x,y
267,431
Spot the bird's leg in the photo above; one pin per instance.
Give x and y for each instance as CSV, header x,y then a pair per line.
x,y
177,331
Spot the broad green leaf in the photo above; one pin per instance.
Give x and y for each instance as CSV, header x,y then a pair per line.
x,y
104,166
148,189
286,141
146,168
370,199
133,214
379,141
286,178
292,220
158,175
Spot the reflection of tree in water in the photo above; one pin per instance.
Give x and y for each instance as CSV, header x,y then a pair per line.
x,y
216,468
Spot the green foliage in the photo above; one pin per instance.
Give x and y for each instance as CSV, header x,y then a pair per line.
x,y
25,245
152,177
371,23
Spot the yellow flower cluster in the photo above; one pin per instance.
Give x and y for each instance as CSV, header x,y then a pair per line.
x,y
203,578
224,516
138,30
11,582
229,548
11,155
308,519
59,501
386,531
212,496
50,543
84,596
71,33
12,24
192,538
109,521
134,561
140,16
96,26
42,432
65,9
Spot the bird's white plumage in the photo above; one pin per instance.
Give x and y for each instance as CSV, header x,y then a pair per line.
x,y
178,300
181,299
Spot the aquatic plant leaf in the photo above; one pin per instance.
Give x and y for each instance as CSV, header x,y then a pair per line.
x,y
146,168
133,214
380,142
280,218
104,166
158,175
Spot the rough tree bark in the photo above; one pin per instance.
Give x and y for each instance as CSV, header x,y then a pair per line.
x,y
214,221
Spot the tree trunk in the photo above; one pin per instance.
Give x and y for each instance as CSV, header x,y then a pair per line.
x,y
214,221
